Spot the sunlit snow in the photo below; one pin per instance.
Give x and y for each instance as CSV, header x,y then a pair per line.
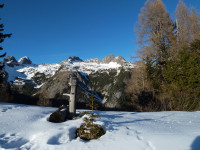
x,y
26,127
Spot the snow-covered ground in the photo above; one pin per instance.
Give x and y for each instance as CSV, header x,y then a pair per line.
x,y
24,127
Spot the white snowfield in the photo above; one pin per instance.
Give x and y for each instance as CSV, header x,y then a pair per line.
x,y
88,68
26,72
24,127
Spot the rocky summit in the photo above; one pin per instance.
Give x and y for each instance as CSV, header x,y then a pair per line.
x,y
44,84
25,60
112,58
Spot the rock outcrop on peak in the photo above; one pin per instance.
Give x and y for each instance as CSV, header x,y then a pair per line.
x,y
10,61
120,60
74,59
95,60
108,59
25,60
111,58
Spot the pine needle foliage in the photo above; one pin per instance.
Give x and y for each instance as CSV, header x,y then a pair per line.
x,y
2,38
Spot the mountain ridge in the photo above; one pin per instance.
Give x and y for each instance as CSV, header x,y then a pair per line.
x,y
107,59
47,82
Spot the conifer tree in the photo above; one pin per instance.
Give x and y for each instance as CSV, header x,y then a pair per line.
x,y
89,129
93,106
183,76
2,38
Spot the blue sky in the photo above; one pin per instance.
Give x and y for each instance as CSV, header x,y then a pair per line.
x,y
49,31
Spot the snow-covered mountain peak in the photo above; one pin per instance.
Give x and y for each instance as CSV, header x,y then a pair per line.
x,y
25,60
10,60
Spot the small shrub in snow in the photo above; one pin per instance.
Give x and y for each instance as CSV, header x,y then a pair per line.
x,y
89,130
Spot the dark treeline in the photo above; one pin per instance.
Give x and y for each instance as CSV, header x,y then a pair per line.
x,y
167,77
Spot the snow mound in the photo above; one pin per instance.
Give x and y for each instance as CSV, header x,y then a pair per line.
x,y
26,127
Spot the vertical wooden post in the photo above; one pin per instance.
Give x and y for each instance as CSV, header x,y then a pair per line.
x,y
72,95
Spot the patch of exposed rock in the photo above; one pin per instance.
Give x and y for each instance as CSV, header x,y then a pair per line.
x,y
10,61
95,60
112,58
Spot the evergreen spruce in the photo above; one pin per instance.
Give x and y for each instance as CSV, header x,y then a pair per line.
x,y
89,129
183,76
2,38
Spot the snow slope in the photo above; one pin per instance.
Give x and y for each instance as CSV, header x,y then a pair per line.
x,y
25,127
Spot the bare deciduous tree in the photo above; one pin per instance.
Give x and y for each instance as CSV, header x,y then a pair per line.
x,y
188,24
195,24
155,30
183,24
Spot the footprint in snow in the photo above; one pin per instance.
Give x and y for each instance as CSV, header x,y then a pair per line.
x,y
6,109
9,141
151,145
62,138
139,138
54,140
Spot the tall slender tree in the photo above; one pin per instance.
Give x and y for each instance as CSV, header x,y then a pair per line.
x,y
188,24
155,31
183,24
195,24
2,38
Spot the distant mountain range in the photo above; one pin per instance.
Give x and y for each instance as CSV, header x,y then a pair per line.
x,y
43,81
